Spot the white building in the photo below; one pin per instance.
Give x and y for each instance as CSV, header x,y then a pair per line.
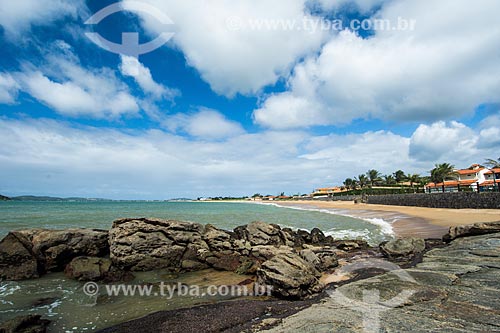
x,y
474,178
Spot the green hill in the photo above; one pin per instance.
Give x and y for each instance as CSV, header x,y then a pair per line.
x,y
4,198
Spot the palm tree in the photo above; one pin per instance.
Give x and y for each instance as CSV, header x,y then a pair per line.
x,y
413,178
389,180
374,176
399,176
350,184
362,180
442,172
493,164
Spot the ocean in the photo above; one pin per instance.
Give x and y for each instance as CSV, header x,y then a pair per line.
x,y
62,301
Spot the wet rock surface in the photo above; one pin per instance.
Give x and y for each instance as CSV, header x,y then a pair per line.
x,y
95,269
290,275
454,289
25,324
17,261
472,230
29,253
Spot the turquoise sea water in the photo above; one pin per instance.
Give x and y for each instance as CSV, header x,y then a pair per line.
x,y
61,215
72,311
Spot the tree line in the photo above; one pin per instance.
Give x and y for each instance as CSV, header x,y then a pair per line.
x,y
441,172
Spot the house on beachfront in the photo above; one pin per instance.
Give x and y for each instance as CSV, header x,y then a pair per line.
x,y
476,178
327,191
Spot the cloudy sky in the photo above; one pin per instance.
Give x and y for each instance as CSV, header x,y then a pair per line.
x,y
248,96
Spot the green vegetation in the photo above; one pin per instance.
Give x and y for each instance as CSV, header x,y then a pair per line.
x,y
442,172
4,198
374,183
494,164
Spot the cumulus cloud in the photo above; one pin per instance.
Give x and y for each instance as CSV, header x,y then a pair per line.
x,y
442,141
8,89
217,39
87,161
443,69
206,124
18,16
130,66
72,90
363,6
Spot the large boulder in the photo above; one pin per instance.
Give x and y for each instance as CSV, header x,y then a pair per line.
x,y
95,269
290,276
322,258
472,230
28,253
149,244
56,248
261,233
402,247
17,261
25,324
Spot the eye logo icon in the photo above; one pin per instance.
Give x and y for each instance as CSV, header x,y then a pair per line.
x,y
130,40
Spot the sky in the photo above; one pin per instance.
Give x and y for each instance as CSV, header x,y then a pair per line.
x,y
248,96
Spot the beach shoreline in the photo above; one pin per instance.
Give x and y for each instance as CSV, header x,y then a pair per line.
x,y
405,221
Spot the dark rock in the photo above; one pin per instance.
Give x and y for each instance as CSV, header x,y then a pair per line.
x,y
44,301
260,233
25,324
17,261
150,244
402,247
56,248
95,269
229,262
317,237
351,245
454,289
290,276
323,258
472,230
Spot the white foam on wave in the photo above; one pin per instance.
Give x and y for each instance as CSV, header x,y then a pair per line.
x,y
384,226
348,234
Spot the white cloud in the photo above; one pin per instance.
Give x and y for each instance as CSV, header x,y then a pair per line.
x,y
240,60
445,142
206,124
82,93
443,69
64,85
8,89
363,5
353,154
18,16
131,66
48,157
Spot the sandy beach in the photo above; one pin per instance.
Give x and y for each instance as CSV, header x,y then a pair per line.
x,y
406,221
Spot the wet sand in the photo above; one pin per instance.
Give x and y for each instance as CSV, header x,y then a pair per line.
x,y
406,221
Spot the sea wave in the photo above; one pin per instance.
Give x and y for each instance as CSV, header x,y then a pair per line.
x,y
384,225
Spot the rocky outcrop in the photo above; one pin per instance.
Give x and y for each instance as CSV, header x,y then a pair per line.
x,y
260,233
25,324
454,289
144,244
17,261
402,247
322,258
28,253
290,276
56,248
472,230
95,269
149,244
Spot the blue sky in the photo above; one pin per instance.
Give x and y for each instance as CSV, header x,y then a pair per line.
x,y
234,106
